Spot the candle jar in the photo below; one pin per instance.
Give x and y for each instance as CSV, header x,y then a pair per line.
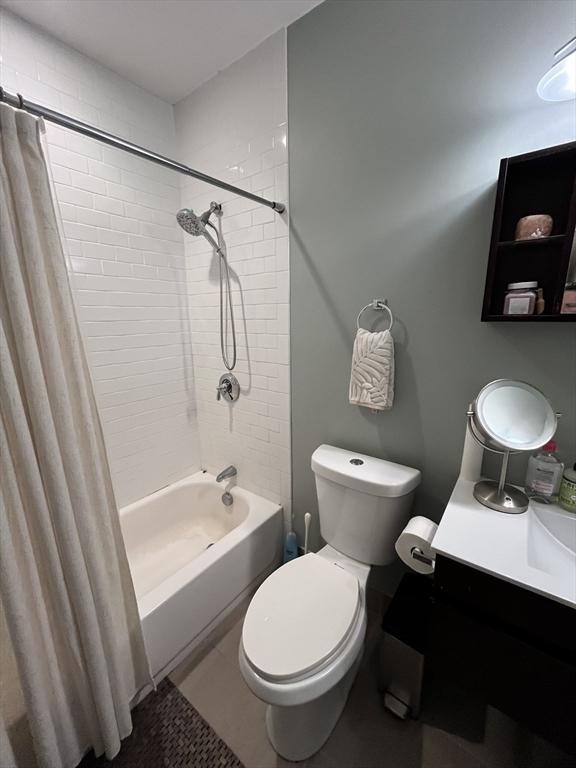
x,y
520,298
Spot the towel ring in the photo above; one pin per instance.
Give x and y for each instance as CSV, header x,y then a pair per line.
x,y
376,304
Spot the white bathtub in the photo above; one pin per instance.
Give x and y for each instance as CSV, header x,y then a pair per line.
x,y
193,560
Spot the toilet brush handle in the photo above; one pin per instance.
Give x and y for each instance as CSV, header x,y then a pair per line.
x,y
307,518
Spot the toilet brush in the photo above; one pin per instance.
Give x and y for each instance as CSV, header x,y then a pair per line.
x,y
290,543
307,518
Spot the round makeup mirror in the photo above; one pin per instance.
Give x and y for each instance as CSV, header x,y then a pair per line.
x,y
509,417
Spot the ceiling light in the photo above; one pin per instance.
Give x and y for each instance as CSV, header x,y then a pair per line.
x,y
559,83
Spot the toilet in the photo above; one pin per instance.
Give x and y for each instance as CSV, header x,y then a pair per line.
x,y
303,634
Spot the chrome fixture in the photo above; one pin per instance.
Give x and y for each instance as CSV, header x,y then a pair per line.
x,y
509,417
230,471
228,388
419,555
18,101
559,83
377,304
197,225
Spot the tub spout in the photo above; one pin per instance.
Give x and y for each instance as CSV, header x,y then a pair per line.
x,y
226,473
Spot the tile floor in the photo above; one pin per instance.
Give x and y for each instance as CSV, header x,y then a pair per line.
x,y
366,736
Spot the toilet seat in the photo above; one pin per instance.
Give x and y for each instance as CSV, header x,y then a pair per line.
x,y
300,618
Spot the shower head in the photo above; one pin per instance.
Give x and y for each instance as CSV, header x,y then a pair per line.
x,y
196,225
190,222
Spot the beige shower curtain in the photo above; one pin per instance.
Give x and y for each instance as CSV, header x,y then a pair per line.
x,y
65,585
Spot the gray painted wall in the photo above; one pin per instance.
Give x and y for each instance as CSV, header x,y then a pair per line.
x,y
399,113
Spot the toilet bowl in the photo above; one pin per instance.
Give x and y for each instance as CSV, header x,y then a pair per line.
x,y
303,633
302,643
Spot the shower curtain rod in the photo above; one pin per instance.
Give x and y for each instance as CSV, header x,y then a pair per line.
x,y
16,100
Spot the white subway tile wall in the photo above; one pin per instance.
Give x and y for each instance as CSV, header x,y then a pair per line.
x,y
148,295
127,256
235,127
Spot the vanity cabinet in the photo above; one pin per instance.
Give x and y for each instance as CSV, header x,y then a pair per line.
x,y
504,646
542,182
463,640
545,622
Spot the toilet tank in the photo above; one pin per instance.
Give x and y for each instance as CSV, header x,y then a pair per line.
x,y
363,502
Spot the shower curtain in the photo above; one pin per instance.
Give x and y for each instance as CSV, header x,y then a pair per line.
x,y
65,586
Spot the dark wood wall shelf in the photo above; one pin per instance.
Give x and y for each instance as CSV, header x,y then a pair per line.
x,y
538,182
543,318
552,240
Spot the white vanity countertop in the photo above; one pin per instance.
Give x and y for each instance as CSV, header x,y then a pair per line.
x,y
535,550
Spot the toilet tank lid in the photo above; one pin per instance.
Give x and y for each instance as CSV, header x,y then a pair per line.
x,y
364,473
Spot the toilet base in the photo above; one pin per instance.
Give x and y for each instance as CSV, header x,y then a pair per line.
x,y
298,732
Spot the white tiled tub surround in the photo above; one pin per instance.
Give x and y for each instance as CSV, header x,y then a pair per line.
x,y
138,295
234,127
126,252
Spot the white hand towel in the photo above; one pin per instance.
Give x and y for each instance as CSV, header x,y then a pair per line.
x,y
372,375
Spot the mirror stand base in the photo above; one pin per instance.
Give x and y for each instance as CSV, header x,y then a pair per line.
x,y
506,499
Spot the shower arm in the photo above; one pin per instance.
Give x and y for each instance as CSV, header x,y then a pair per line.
x,y
17,101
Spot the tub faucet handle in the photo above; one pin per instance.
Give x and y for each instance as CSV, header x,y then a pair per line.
x,y
222,389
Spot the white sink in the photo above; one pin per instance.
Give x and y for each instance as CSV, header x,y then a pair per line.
x,y
551,543
560,524
535,550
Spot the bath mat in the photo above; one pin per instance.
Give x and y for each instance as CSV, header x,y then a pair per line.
x,y
168,733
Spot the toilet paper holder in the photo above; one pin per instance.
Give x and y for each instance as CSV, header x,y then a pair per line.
x,y
417,554
414,545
